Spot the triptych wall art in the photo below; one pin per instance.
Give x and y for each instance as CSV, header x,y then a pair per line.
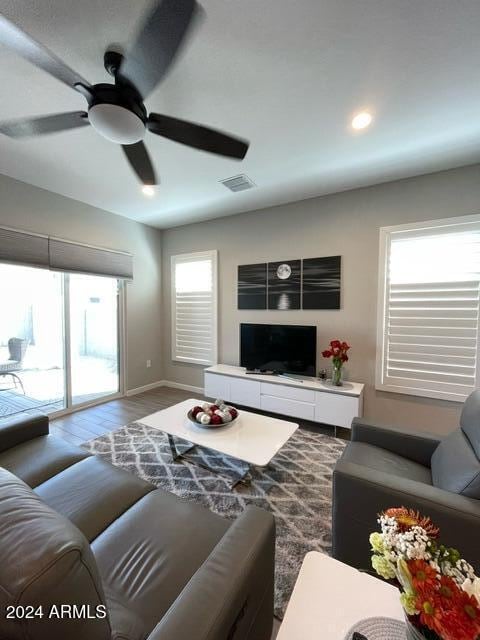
x,y
312,283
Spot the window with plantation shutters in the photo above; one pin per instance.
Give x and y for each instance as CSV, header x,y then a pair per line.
x,y
428,320
194,307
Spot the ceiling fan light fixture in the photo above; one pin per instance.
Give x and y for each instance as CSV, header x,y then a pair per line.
x,y
116,110
116,123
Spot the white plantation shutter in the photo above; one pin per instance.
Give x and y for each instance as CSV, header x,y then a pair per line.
x,y
194,307
428,330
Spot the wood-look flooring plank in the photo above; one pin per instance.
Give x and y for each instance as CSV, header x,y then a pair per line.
x,y
65,435
91,422
77,430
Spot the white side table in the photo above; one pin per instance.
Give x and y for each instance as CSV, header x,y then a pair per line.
x,y
330,597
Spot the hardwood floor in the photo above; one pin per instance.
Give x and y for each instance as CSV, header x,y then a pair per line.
x,y
90,423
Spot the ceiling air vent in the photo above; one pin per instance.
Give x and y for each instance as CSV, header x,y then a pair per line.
x,y
238,183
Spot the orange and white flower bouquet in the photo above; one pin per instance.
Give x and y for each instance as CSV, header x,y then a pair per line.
x,y
440,592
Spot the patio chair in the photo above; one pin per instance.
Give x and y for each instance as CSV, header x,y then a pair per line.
x,y
17,348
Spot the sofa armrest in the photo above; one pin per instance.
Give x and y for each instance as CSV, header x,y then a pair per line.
x,y
20,429
231,594
409,443
361,493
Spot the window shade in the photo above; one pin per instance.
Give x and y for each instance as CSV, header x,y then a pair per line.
x,y
73,257
23,248
18,247
428,335
194,307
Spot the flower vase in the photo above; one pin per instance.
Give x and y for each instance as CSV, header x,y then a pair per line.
x,y
337,374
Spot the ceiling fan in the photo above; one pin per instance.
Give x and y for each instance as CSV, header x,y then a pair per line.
x,y
116,111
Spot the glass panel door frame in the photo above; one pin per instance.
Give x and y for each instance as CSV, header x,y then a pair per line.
x,y
67,354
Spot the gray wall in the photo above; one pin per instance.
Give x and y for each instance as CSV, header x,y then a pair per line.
x,y
346,224
26,207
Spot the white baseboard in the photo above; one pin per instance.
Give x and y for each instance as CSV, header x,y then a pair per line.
x,y
146,387
184,387
164,383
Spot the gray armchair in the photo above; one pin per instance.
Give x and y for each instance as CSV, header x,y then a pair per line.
x,y
389,467
17,348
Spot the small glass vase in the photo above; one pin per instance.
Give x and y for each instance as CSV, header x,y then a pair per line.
x,y
337,374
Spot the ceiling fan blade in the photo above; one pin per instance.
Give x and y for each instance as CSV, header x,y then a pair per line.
x,y
138,157
157,43
47,124
198,136
22,44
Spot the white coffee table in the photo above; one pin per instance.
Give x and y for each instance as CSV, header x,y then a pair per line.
x,y
252,438
330,597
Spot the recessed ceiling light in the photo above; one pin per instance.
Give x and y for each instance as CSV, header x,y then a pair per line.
x,y
362,120
148,190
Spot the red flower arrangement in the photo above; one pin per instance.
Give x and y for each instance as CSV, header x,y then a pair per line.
x,y
338,353
446,608
338,350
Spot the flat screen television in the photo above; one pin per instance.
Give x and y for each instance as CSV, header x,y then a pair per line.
x,y
280,348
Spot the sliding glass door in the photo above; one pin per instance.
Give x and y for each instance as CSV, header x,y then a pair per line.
x,y
32,352
94,343
60,337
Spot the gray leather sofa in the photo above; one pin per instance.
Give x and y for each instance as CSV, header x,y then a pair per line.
x,y
392,467
75,530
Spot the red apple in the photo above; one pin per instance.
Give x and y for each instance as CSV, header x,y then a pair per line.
x,y
213,408
233,412
196,410
215,419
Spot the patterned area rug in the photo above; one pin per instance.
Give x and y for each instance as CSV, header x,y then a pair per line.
x,y
296,487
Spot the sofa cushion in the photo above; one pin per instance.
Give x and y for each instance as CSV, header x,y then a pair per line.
x,y
455,467
44,560
37,460
19,428
373,457
92,494
159,544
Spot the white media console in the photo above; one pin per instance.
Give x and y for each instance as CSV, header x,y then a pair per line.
x,y
307,398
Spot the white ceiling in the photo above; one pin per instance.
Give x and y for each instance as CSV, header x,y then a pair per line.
x,y
285,74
